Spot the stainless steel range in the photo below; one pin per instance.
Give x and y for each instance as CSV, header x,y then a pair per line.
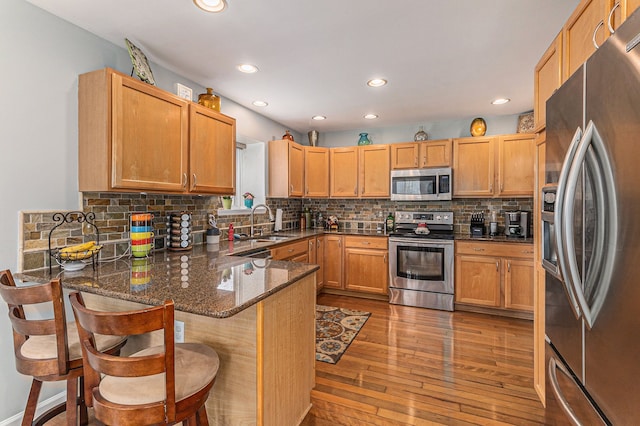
x,y
421,260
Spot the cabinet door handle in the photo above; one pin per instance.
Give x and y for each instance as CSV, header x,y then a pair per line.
x,y
366,242
501,187
318,244
509,266
497,265
385,258
195,180
307,190
478,249
339,243
424,161
613,9
184,180
527,251
291,188
595,43
290,250
355,190
415,161
490,187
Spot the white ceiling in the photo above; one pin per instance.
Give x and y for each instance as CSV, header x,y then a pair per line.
x,y
444,59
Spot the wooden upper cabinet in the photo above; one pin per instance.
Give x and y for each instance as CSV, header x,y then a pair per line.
x,y
547,79
586,24
133,136
436,153
286,169
212,152
473,167
495,166
413,155
405,155
374,171
343,172
620,11
316,172
516,164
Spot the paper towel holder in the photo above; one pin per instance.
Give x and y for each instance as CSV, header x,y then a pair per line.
x,y
278,223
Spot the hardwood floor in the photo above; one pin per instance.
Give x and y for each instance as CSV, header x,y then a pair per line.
x,y
412,366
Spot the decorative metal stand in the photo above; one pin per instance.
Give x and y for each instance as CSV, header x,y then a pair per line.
x,y
70,217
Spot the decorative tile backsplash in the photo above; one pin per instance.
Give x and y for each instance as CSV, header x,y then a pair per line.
x,y
112,213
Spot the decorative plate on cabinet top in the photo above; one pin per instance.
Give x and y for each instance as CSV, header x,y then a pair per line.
x,y
478,127
140,63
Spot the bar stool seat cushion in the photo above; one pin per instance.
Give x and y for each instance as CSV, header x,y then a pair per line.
x,y
44,347
196,365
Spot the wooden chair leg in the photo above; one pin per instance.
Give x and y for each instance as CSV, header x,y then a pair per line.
x,y
32,403
72,402
84,415
201,415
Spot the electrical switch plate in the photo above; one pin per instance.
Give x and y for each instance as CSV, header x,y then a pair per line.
x,y
178,331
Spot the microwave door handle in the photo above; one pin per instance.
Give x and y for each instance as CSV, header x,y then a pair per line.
x,y
558,216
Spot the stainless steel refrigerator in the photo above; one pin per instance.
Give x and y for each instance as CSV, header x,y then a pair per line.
x,y
591,236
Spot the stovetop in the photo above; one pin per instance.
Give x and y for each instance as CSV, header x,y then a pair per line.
x,y
439,224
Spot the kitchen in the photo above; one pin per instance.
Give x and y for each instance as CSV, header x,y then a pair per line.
x,y
60,166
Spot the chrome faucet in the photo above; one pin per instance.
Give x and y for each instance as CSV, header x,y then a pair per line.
x,y
253,210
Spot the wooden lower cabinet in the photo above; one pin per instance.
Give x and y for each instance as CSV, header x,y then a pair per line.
x,y
366,266
319,260
333,261
297,251
495,276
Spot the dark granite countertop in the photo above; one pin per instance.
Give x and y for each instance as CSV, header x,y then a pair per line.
x,y
201,281
497,238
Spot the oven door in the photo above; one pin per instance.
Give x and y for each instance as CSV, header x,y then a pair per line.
x,y
424,265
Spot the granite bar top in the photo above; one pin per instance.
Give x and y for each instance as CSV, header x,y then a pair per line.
x,y
202,281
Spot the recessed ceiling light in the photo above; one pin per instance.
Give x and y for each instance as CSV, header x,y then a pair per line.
x,y
211,5
318,117
371,116
247,68
376,82
500,101
260,103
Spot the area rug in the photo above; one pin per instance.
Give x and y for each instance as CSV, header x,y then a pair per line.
x,y
335,330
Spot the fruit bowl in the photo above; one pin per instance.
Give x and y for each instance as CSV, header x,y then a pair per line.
x,y
80,255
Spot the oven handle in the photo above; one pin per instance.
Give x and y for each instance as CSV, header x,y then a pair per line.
x,y
422,243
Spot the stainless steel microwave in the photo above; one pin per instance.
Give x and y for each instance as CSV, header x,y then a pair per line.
x,y
421,184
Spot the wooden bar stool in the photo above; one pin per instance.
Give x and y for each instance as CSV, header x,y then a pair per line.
x,y
48,349
163,384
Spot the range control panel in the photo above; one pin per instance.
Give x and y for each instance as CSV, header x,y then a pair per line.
x,y
430,218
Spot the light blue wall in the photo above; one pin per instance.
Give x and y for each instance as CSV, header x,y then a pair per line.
x,y
496,125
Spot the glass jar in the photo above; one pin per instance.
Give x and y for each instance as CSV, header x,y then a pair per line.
x,y
364,139
209,99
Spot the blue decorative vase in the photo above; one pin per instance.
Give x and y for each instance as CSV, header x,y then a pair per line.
x,y
364,139
248,202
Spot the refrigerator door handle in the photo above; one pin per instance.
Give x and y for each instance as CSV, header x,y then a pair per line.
x,y
592,153
555,387
558,214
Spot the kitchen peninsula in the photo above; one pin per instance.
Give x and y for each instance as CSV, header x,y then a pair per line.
x,y
258,314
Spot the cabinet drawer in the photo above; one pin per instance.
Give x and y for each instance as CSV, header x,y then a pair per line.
x,y
512,250
290,250
366,242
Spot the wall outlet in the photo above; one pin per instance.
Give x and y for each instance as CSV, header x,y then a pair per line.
x,y
178,331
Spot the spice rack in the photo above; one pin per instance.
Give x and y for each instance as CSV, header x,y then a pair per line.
x,y
179,231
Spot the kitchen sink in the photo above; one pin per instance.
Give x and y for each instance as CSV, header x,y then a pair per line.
x,y
271,238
